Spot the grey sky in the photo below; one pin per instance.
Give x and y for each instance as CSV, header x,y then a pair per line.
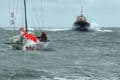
x,y
61,12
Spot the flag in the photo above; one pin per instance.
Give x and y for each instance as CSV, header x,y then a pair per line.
x,y
12,22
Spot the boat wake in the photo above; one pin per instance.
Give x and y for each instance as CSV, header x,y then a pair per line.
x,y
93,27
96,27
104,30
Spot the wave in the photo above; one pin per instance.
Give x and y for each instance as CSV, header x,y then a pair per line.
x,y
4,49
56,29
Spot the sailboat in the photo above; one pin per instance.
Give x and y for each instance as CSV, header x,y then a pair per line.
x,y
81,23
27,40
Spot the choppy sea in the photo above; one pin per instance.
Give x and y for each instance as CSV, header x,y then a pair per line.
x,y
71,56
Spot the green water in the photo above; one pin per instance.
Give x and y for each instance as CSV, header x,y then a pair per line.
x,y
71,56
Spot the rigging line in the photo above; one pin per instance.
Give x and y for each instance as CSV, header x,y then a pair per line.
x,y
42,16
9,7
15,11
12,13
20,13
36,15
9,11
30,4
22,17
31,8
15,7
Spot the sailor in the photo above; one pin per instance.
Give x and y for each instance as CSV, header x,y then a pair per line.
x,y
43,37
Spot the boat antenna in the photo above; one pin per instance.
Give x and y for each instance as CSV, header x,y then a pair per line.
x,y
25,15
81,10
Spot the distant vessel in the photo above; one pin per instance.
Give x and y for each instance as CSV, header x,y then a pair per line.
x,y
27,40
81,23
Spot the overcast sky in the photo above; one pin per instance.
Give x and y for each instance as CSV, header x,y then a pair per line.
x,y
60,12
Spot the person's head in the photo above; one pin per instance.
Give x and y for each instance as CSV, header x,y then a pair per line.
x,y
43,33
21,29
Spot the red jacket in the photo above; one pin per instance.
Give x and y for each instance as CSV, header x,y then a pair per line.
x,y
43,37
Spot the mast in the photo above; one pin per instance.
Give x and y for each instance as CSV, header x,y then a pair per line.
x,y
81,10
25,15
